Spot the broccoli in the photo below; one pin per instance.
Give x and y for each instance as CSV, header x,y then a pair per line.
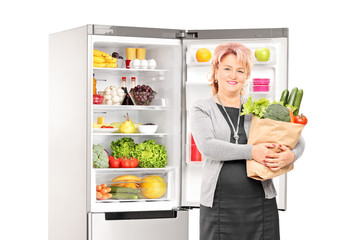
x,y
100,157
277,112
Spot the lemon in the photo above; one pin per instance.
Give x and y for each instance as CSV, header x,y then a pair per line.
x,y
203,55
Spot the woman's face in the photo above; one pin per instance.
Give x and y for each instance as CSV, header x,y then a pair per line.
x,y
231,75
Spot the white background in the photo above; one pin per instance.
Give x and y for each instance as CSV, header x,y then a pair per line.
x,y
324,60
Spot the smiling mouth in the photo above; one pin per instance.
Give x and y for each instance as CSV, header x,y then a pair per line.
x,y
232,82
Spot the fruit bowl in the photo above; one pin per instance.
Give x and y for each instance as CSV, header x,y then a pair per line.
x,y
148,129
142,95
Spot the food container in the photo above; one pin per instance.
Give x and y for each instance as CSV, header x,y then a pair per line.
x,y
140,53
148,129
142,98
261,88
130,53
97,99
261,81
135,185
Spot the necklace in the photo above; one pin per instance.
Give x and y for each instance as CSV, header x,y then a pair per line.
x,y
236,136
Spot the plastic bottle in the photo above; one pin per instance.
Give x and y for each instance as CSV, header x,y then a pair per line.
x,y
94,84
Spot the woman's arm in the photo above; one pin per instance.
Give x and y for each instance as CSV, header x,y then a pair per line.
x,y
214,149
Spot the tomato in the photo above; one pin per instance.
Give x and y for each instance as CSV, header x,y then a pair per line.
x,y
129,163
104,126
134,162
300,119
114,162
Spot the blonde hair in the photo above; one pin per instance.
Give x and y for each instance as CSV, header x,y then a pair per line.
x,y
243,54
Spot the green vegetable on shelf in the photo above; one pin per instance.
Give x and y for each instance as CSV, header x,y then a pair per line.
x,y
151,155
100,157
123,147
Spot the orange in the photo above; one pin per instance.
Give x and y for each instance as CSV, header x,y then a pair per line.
x,y
203,55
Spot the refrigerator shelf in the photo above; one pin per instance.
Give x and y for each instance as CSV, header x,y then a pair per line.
x,y
130,134
125,70
131,200
127,107
137,169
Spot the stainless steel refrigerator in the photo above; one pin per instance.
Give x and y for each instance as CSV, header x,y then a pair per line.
x,y
178,79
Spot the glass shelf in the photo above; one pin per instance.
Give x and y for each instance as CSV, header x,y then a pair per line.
x,y
125,70
130,134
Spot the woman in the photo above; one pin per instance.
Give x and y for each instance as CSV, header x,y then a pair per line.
x,y
233,206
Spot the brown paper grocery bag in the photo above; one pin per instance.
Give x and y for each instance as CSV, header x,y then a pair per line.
x,y
271,131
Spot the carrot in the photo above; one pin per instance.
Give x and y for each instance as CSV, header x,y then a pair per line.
x,y
104,197
98,188
291,115
103,191
98,195
103,185
108,189
109,195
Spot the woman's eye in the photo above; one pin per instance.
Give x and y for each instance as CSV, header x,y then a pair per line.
x,y
240,71
227,69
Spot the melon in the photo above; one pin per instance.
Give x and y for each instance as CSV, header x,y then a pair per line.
x,y
153,186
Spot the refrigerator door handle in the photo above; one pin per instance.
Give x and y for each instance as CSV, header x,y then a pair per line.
x,y
109,216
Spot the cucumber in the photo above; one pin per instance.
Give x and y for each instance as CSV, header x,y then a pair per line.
x,y
284,97
297,102
292,96
124,190
125,196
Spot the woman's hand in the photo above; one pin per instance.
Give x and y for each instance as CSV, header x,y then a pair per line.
x,y
260,151
276,161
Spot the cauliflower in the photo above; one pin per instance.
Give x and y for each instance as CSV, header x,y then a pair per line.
x,y
100,157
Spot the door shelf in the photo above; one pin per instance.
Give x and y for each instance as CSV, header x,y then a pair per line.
x,y
195,163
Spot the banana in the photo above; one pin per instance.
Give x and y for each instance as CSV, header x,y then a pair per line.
x,y
110,60
126,178
99,53
99,64
98,59
111,65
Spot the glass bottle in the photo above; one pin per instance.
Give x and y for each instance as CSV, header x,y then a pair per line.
x,y
133,83
127,99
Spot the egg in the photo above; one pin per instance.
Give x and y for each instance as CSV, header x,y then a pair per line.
x,y
135,63
144,64
152,64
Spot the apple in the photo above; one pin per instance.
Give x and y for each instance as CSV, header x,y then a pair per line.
x,y
262,54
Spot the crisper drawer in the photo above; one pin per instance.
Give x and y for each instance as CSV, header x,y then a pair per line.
x,y
135,185
156,225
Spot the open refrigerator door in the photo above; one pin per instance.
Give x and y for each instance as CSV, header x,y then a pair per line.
x,y
148,130
269,77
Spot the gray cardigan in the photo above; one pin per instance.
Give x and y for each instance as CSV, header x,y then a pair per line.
x,y
212,134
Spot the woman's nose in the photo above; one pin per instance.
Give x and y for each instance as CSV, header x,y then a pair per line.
x,y
233,75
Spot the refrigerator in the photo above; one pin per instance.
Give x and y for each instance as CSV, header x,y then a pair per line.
x,y
178,79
